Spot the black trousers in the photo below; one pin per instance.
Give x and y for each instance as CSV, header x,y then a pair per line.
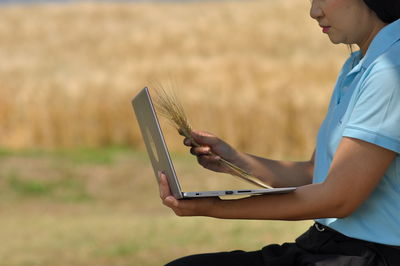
x,y
319,246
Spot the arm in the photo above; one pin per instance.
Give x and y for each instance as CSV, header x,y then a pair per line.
x,y
274,173
278,173
357,168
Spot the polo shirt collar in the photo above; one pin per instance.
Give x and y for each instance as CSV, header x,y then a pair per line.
x,y
385,38
356,57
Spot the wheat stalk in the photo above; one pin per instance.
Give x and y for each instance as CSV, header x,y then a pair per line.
x,y
168,106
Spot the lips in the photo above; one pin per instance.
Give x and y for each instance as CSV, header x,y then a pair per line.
x,y
325,29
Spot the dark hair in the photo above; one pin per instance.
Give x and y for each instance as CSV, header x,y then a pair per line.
x,y
387,10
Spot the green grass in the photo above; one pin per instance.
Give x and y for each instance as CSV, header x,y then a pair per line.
x,y
4,152
67,190
93,155
56,211
28,187
78,155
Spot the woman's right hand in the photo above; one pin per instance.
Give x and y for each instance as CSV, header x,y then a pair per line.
x,y
211,150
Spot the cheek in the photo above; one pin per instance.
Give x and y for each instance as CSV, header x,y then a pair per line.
x,y
340,10
343,14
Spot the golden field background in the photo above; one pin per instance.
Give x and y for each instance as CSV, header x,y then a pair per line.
x,y
256,73
76,187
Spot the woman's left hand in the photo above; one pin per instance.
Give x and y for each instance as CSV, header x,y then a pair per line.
x,y
192,207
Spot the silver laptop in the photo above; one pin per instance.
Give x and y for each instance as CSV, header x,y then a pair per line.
x,y
161,160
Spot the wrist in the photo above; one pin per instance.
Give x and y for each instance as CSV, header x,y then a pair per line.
x,y
240,159
214,208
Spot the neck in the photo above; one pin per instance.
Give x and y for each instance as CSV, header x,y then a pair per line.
x,y
364,45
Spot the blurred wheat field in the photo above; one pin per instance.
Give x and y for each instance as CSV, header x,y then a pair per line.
x,y
256,73
76,187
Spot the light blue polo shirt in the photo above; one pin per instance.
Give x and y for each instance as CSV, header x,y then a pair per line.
x,y
366,105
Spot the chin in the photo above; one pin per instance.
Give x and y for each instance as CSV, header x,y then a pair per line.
x,y
336,40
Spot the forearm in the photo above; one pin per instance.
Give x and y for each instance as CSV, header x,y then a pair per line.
x,y
307,202
273,173
356,170
278,173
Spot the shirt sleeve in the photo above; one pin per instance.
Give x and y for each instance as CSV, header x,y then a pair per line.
x,y
375,117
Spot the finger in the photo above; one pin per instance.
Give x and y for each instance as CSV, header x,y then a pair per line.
x,y
171,202
164,186
198,151
203,137
206,160
187,142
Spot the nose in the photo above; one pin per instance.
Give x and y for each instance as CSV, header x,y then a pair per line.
x,y
315,10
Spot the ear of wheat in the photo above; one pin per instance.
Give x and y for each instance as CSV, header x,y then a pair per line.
x,y
168,106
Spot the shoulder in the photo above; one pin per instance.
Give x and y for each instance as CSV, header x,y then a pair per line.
x,y
389,60
384,72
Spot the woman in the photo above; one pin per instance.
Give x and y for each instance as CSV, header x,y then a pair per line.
x,y
351,184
